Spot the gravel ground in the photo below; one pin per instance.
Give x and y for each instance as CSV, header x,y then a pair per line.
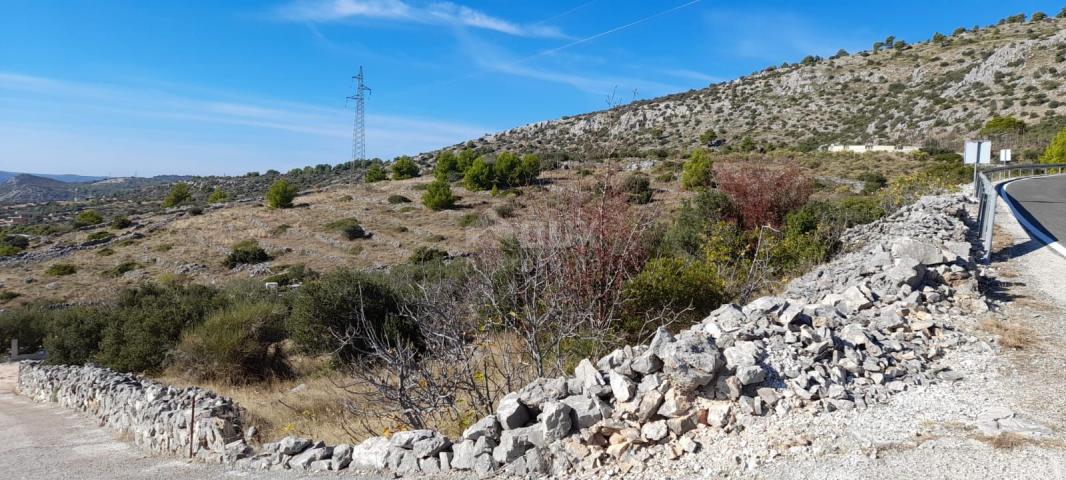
x,y
929,432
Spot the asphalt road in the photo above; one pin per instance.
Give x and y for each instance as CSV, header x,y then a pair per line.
x,y
1042,201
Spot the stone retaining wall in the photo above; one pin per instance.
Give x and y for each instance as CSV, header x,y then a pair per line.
x,y
156,416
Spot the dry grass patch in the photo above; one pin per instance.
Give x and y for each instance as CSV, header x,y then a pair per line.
x,y
1010,334
1010,441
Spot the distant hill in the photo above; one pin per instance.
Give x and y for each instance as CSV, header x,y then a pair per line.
x,y
25,188
940,90
62,178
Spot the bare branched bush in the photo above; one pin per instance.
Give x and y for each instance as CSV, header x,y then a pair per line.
x,y
452,373
558,284
762,195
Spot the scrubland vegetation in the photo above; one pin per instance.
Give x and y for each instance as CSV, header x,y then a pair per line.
x,y
435,341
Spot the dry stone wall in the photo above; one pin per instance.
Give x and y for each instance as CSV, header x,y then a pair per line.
x,y
851,333
156,416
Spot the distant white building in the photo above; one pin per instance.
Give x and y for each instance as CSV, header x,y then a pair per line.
x,y
869,148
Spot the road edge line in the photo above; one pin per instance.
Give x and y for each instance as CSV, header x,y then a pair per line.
x,y
1026,224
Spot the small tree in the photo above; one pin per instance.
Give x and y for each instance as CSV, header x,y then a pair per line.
x,y
438,195
638,189
479,176
280,194
179,194
376,173
87,218
1056,151
696,172
218,196
121,222
708,136
404,168
246,252
1038,16
1003,125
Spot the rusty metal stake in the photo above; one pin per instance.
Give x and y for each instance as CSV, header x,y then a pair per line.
x,y
192,423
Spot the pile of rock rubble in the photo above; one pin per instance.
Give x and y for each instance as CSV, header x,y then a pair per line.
x,y
849,334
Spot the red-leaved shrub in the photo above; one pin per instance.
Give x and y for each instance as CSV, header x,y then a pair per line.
x,y
763,195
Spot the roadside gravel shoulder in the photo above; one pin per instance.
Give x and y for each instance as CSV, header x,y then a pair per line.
x,y
938,430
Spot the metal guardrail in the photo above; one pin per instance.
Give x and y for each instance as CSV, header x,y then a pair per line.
x,y
984,188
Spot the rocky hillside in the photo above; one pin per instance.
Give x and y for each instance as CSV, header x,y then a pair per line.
x,y
940,89
24,188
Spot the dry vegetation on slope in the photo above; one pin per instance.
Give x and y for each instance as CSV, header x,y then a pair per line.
x,y
941,89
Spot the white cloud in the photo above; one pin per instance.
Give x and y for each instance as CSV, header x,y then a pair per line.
x,y
436,13
113,125
492,58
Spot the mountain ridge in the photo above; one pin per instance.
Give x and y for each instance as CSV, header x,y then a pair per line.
x,y
936,91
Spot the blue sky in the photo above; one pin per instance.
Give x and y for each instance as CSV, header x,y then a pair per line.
x,y
197,87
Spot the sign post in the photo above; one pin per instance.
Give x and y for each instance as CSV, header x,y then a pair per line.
x,y
977,152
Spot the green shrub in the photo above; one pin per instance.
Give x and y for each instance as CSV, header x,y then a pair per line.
x,y
475,220
13,244
121,222
349,302
1056,151
1003,125
404,168
349,228
17,241
293,274
61,269
179,194
74,334
872,182
507,170
479,176
26,324
396,199
637,188
246,252
505,210
376,173
105,252
88,218
279,230
281,194
147,323
6,296
687,231
121,268
99,236
196,211
675,284
219,196
438,196
427,254
236,345
696,173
